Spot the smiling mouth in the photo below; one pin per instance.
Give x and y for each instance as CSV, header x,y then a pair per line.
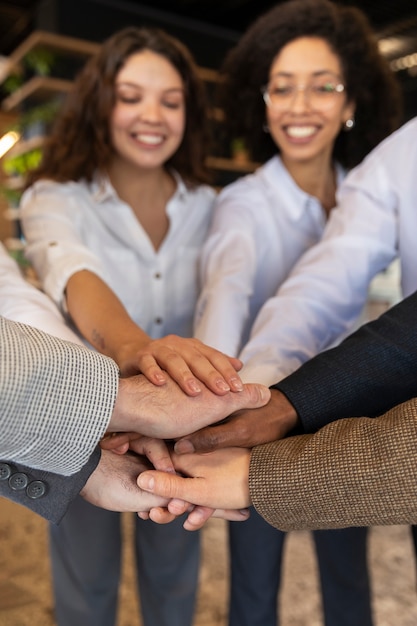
x,y
150,140
300,132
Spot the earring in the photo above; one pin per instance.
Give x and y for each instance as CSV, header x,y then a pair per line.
x,y
349,124
265,127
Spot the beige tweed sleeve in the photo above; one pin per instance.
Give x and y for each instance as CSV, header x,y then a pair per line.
x,y
56,399
352,472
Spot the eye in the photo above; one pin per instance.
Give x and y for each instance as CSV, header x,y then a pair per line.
x,y
282,90
171,104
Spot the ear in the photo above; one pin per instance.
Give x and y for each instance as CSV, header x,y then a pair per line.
x,y
349,111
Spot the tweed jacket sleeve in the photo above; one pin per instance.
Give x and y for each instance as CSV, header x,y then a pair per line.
x,y
56,399
352,472
371,371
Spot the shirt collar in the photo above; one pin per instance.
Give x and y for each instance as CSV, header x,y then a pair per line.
x,y
276,174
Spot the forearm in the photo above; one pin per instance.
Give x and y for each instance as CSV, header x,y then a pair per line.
x,y
100,316
56,399
354,472
371,371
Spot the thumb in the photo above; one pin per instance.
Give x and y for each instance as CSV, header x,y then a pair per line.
x,y
253,396
160,483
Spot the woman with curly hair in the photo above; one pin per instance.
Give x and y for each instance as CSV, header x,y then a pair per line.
x,y
310,94
114,219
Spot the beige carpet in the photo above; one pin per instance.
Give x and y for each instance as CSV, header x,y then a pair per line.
x,y
25,589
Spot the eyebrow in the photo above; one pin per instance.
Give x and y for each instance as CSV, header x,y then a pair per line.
x,y
136,86
291,74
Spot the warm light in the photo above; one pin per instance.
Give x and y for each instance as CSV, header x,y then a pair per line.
x,y
8,141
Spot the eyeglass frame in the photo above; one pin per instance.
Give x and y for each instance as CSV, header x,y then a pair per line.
x,y
339,88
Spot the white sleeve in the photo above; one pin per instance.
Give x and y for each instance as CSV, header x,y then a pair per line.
x,y
22,302
53,244
228,265
56,399
328,287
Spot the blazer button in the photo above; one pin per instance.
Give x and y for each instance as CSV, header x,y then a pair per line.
x,y
18,481
36,489
5,471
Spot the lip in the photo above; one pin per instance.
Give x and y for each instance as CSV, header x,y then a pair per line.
x,y
300,133
150,140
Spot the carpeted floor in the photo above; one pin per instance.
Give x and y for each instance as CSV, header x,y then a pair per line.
x,y
25,588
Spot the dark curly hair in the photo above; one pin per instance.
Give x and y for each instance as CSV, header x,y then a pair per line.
x,y
80,143
369,81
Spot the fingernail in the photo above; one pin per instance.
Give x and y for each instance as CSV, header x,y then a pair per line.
x,y
222,385
236,384
194,386
146,482
184,447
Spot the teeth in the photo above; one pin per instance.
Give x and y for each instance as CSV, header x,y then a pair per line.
x,y
152,140
300,131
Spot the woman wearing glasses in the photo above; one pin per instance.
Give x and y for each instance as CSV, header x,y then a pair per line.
x,y
308,91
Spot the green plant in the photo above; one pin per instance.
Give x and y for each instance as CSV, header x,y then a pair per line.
x,y
12,196
40,61
22,163
12,83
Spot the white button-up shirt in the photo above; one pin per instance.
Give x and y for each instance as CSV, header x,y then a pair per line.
x,y
375,222
86,226
262,224
22,302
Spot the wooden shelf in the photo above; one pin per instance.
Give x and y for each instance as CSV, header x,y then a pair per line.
x,y
231,165
53,41
38,88
21,147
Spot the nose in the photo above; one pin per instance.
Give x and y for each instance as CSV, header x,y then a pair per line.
x,y
150,110
300,100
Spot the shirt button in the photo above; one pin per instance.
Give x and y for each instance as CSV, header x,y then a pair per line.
x,y
158,320
5,471
18,481
157,275
36,489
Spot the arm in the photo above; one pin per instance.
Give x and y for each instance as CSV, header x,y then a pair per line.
x,y
228,267
353,472
369,372
48,387
328,287
75,278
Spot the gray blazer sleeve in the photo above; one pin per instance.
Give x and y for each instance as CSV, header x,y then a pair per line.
x,y
56,399
44,493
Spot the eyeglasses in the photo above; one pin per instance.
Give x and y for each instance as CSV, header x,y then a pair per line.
x,y
321,93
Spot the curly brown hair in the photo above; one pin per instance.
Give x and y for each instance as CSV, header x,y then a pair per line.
x,y
369,81
80,141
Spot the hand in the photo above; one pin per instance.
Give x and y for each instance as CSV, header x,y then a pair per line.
x,y
246,429
113,485
218,480
155,450
188,361
197,515
167,412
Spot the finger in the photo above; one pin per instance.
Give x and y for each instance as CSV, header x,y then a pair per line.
x,y
179,507
232,515
197,518
149,367
209,439
110,441
168,485
160,515
156,451
217,367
